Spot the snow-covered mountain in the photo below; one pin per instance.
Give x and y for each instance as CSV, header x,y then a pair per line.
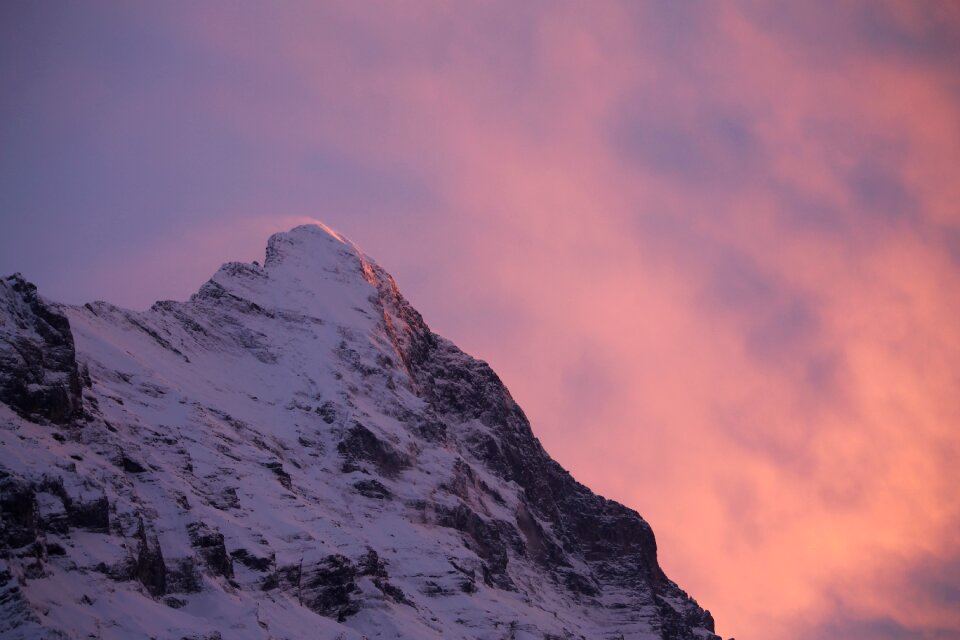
x,y
292,453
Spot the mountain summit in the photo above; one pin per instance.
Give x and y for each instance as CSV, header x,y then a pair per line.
x,y
292,453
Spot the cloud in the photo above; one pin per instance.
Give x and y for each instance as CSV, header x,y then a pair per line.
x,y
710,248
713,148
881,628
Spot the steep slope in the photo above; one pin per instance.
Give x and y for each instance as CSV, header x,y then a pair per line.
x,y
292,453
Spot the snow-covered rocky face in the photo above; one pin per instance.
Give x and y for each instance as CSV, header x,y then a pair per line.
x,y
293,454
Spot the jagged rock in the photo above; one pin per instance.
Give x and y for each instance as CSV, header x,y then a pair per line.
x,y
93,515
372,489
227,499
150,568
488,539
210,546
183,576
58,512
328,412
18,508
371,565
53,510
282,475
431,430
327,586
361,445
538,542
251,561
578,583
131,466
39,378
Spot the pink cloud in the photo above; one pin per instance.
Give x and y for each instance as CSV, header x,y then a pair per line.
x,y
707,248
736,322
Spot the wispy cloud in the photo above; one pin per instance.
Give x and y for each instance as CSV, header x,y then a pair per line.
x,y
712,248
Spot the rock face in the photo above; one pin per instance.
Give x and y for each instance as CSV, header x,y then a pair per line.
x,y
38,368
292,453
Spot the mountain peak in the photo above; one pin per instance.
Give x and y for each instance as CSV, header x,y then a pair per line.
x,y
309,242
292,453
310,269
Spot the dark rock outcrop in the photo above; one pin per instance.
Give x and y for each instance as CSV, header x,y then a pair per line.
x,y
372,489
149,567
362,445
282,476
327,586
489,539
252,562
39,378
211,549
18,514
24,522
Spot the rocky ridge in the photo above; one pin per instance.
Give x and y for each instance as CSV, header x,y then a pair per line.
x,y
292,453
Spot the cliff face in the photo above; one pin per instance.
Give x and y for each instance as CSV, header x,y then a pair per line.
x,y
292,453
38,367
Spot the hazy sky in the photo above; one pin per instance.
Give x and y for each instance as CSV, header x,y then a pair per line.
x,y
712,248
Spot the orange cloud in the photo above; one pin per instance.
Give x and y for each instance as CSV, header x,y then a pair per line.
x,y
713,250
705,255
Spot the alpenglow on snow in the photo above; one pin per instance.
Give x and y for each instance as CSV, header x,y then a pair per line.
x,y
292,453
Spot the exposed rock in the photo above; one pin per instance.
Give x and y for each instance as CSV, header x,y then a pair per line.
x,y
282,475
39,378
372,489
251,561
150,569
210,546
371,565
213,635
131,466
227,499
93,515
361,445
328,412
326,586
488,539
183,576
18,514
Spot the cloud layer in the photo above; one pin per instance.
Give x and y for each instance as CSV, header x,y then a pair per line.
x,y
713,249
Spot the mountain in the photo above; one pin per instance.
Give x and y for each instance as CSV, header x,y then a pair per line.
x,y
292,453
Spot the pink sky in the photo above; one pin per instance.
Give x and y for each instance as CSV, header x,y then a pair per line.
x,y
713,249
